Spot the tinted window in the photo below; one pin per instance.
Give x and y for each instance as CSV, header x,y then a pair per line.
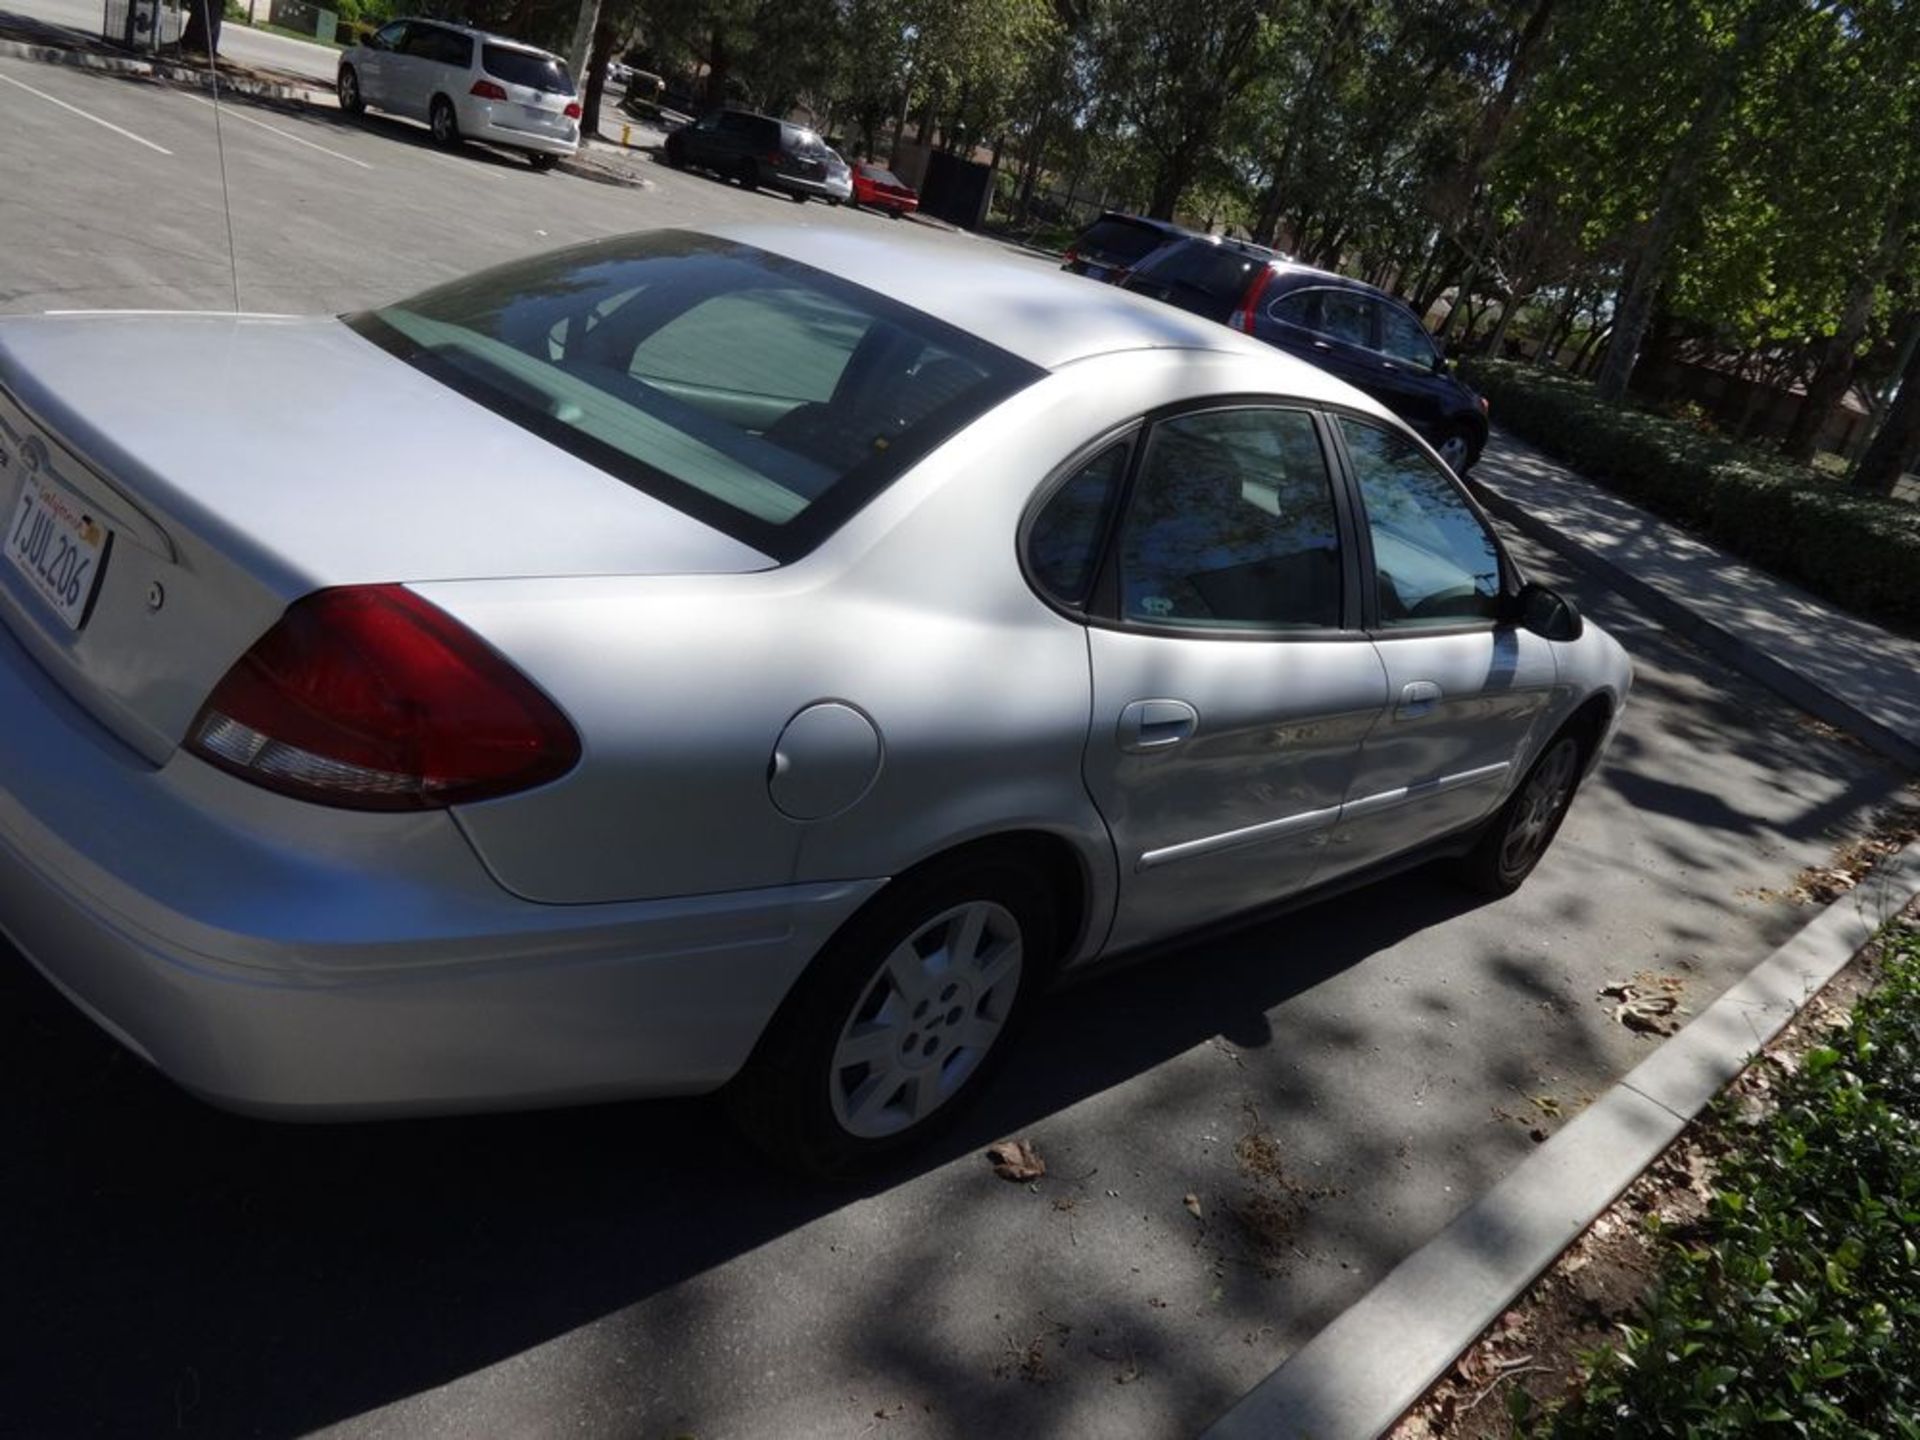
x,y
1347,315
1118,242
1301,308
1209,280
1063,547
524,67
390,37
1231,525
1434,561
757,394
1403,337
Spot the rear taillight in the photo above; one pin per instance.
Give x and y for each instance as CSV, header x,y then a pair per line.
x,y
1485,408
572,112
1243,317
487,90
372,699
1070,257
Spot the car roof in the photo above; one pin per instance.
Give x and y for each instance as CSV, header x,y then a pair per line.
x,y
1145,222
1291,275
1034,311
486,36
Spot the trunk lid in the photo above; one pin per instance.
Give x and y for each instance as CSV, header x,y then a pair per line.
x,y
226,465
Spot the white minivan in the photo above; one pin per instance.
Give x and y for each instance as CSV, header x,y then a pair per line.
x,y
467,85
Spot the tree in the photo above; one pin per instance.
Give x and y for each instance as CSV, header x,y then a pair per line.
x,y
1895,449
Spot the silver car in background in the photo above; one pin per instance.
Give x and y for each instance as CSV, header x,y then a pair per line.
x,y
465,84
673,663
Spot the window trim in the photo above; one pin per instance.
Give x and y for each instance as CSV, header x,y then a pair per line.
x,y
1104,611
1387,305
1324,290
1128,432
1511,576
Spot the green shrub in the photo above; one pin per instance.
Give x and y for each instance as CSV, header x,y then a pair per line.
x,y
1794,1307
1859,551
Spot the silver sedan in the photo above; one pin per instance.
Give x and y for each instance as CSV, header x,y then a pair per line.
x,y
674,663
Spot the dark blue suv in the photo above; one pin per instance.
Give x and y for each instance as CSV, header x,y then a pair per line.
x,y
1346,327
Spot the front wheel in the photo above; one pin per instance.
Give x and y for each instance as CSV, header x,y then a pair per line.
x,y
900,1020
1456,448
348,89
1527,823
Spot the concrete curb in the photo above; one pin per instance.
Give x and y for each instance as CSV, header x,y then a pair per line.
x,y
1367,1368
156,70
1717,641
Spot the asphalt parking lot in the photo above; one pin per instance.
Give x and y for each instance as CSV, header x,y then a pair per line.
x,y
1329,1087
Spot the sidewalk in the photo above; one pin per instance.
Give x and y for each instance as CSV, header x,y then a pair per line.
x,y
1847,671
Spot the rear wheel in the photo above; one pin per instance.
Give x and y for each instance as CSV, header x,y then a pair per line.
x,y
745,176
1527,823
444,123
798,198
348,89
1456,448
542,161
901,1019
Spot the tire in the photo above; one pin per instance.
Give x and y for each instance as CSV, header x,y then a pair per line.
x,y
1521,833
888,1035
676,157
798,198
541,161
347,87
1456,447
895,214
746,176
444,123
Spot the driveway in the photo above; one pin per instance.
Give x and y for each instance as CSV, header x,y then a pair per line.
x,y
1242,1134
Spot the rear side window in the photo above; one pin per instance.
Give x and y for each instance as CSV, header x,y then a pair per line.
x,y
1404,338
757,394
1118,242
1347,315
1434,561
547,73
1231,526
1301,308
1208,280
1063,547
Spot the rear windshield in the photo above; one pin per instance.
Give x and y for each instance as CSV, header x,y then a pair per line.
x,y
1120,241
757,394
1207,279
524,67
882,177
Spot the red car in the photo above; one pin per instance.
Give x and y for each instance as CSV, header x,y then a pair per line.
x,y
880,188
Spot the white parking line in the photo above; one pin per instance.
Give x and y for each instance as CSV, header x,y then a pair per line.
x,y
56,100
231,113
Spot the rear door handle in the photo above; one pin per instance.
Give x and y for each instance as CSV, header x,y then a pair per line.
x,y
1417,699
1156,724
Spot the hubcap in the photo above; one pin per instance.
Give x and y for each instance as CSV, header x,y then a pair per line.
x,y
348,90
443,123
1546,795
933,1009
1453,450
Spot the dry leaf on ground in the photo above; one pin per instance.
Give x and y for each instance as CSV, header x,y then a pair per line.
x,y
1192,1202
1016,1160
1644,1008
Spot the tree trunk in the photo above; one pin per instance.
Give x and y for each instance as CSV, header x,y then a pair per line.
x,y
1557,327
1595,337
204,18
1460,294
719,65
1679,201
1170,181
603,42
1834,373
1895,448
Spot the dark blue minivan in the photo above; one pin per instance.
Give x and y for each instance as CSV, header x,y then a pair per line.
x,y
1346,327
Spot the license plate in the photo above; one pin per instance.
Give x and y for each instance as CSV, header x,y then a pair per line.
x,y
59,547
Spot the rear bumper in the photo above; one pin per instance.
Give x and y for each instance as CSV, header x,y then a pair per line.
x,y
293,961
825,188
493,123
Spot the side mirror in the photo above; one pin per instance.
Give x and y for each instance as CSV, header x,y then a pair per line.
x,y
1547,613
